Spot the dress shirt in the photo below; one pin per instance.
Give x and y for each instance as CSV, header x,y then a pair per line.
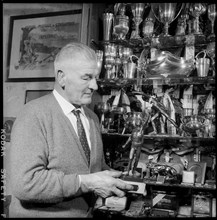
x,y
67,110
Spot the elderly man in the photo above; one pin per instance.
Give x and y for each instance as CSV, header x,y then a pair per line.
x,y
58,165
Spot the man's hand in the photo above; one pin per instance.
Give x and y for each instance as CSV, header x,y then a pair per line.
x,y
105,184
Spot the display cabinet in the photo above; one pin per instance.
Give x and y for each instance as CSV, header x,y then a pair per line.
x,y
157,116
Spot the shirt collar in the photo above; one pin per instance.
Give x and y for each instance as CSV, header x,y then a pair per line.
x,y
66,106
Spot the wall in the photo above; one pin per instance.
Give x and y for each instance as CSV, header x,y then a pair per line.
x,y
14,92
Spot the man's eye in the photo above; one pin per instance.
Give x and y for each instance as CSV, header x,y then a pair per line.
x,y
86,78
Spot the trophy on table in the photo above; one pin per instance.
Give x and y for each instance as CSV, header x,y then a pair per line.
x,y
166,14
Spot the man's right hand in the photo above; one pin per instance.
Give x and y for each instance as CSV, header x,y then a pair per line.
x,y
105,184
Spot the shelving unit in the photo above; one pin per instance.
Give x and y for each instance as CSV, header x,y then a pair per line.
x,y
113,141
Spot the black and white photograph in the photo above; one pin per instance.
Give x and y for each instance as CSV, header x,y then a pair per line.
x,y
109,110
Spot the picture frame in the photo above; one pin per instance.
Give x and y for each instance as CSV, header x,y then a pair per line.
x,y
199,169
36,39
34,94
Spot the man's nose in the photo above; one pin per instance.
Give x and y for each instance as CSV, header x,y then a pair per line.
x,y
93,84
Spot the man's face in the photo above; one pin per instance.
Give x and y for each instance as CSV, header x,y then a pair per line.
x,y
80,81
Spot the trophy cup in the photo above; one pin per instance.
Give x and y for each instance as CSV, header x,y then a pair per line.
x,y
109,64
210,50
166,14
148,25
196,10
210,121
103,108
107,25
126,53
121,27
99,55
137,10
211,16
110,55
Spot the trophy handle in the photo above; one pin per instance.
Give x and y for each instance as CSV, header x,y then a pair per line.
x,y
116,8
154,12
157,16
204,54
182,5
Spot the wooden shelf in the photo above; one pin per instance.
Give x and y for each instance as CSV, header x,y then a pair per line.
x,y
164,137
169,185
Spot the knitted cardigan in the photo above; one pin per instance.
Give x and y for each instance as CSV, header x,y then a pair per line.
x,y
46,158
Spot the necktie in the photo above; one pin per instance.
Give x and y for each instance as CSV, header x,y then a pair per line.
x,y
82,135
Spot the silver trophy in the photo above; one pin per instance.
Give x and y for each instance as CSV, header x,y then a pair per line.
x,y
121,21
110,55
99,55
121,26
166,14
211,16
107,25
196,10
137,10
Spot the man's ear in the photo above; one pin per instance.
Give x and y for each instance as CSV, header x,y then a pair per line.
x,y
61,78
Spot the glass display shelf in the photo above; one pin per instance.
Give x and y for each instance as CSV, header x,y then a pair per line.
x,y
160,80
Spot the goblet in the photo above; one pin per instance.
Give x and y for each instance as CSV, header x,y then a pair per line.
x,y
196,10
211,16
103,107
126,53
209,122
210,50
137,10
166,14
110,50
109,64
99,55
120,111
110,55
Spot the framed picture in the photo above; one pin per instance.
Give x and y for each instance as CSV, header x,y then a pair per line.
x,y
199,169
36,39
34,94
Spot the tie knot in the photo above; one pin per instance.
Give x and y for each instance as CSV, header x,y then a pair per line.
x,y
76,112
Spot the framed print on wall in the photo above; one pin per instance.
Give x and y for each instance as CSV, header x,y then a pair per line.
x,y
36,39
